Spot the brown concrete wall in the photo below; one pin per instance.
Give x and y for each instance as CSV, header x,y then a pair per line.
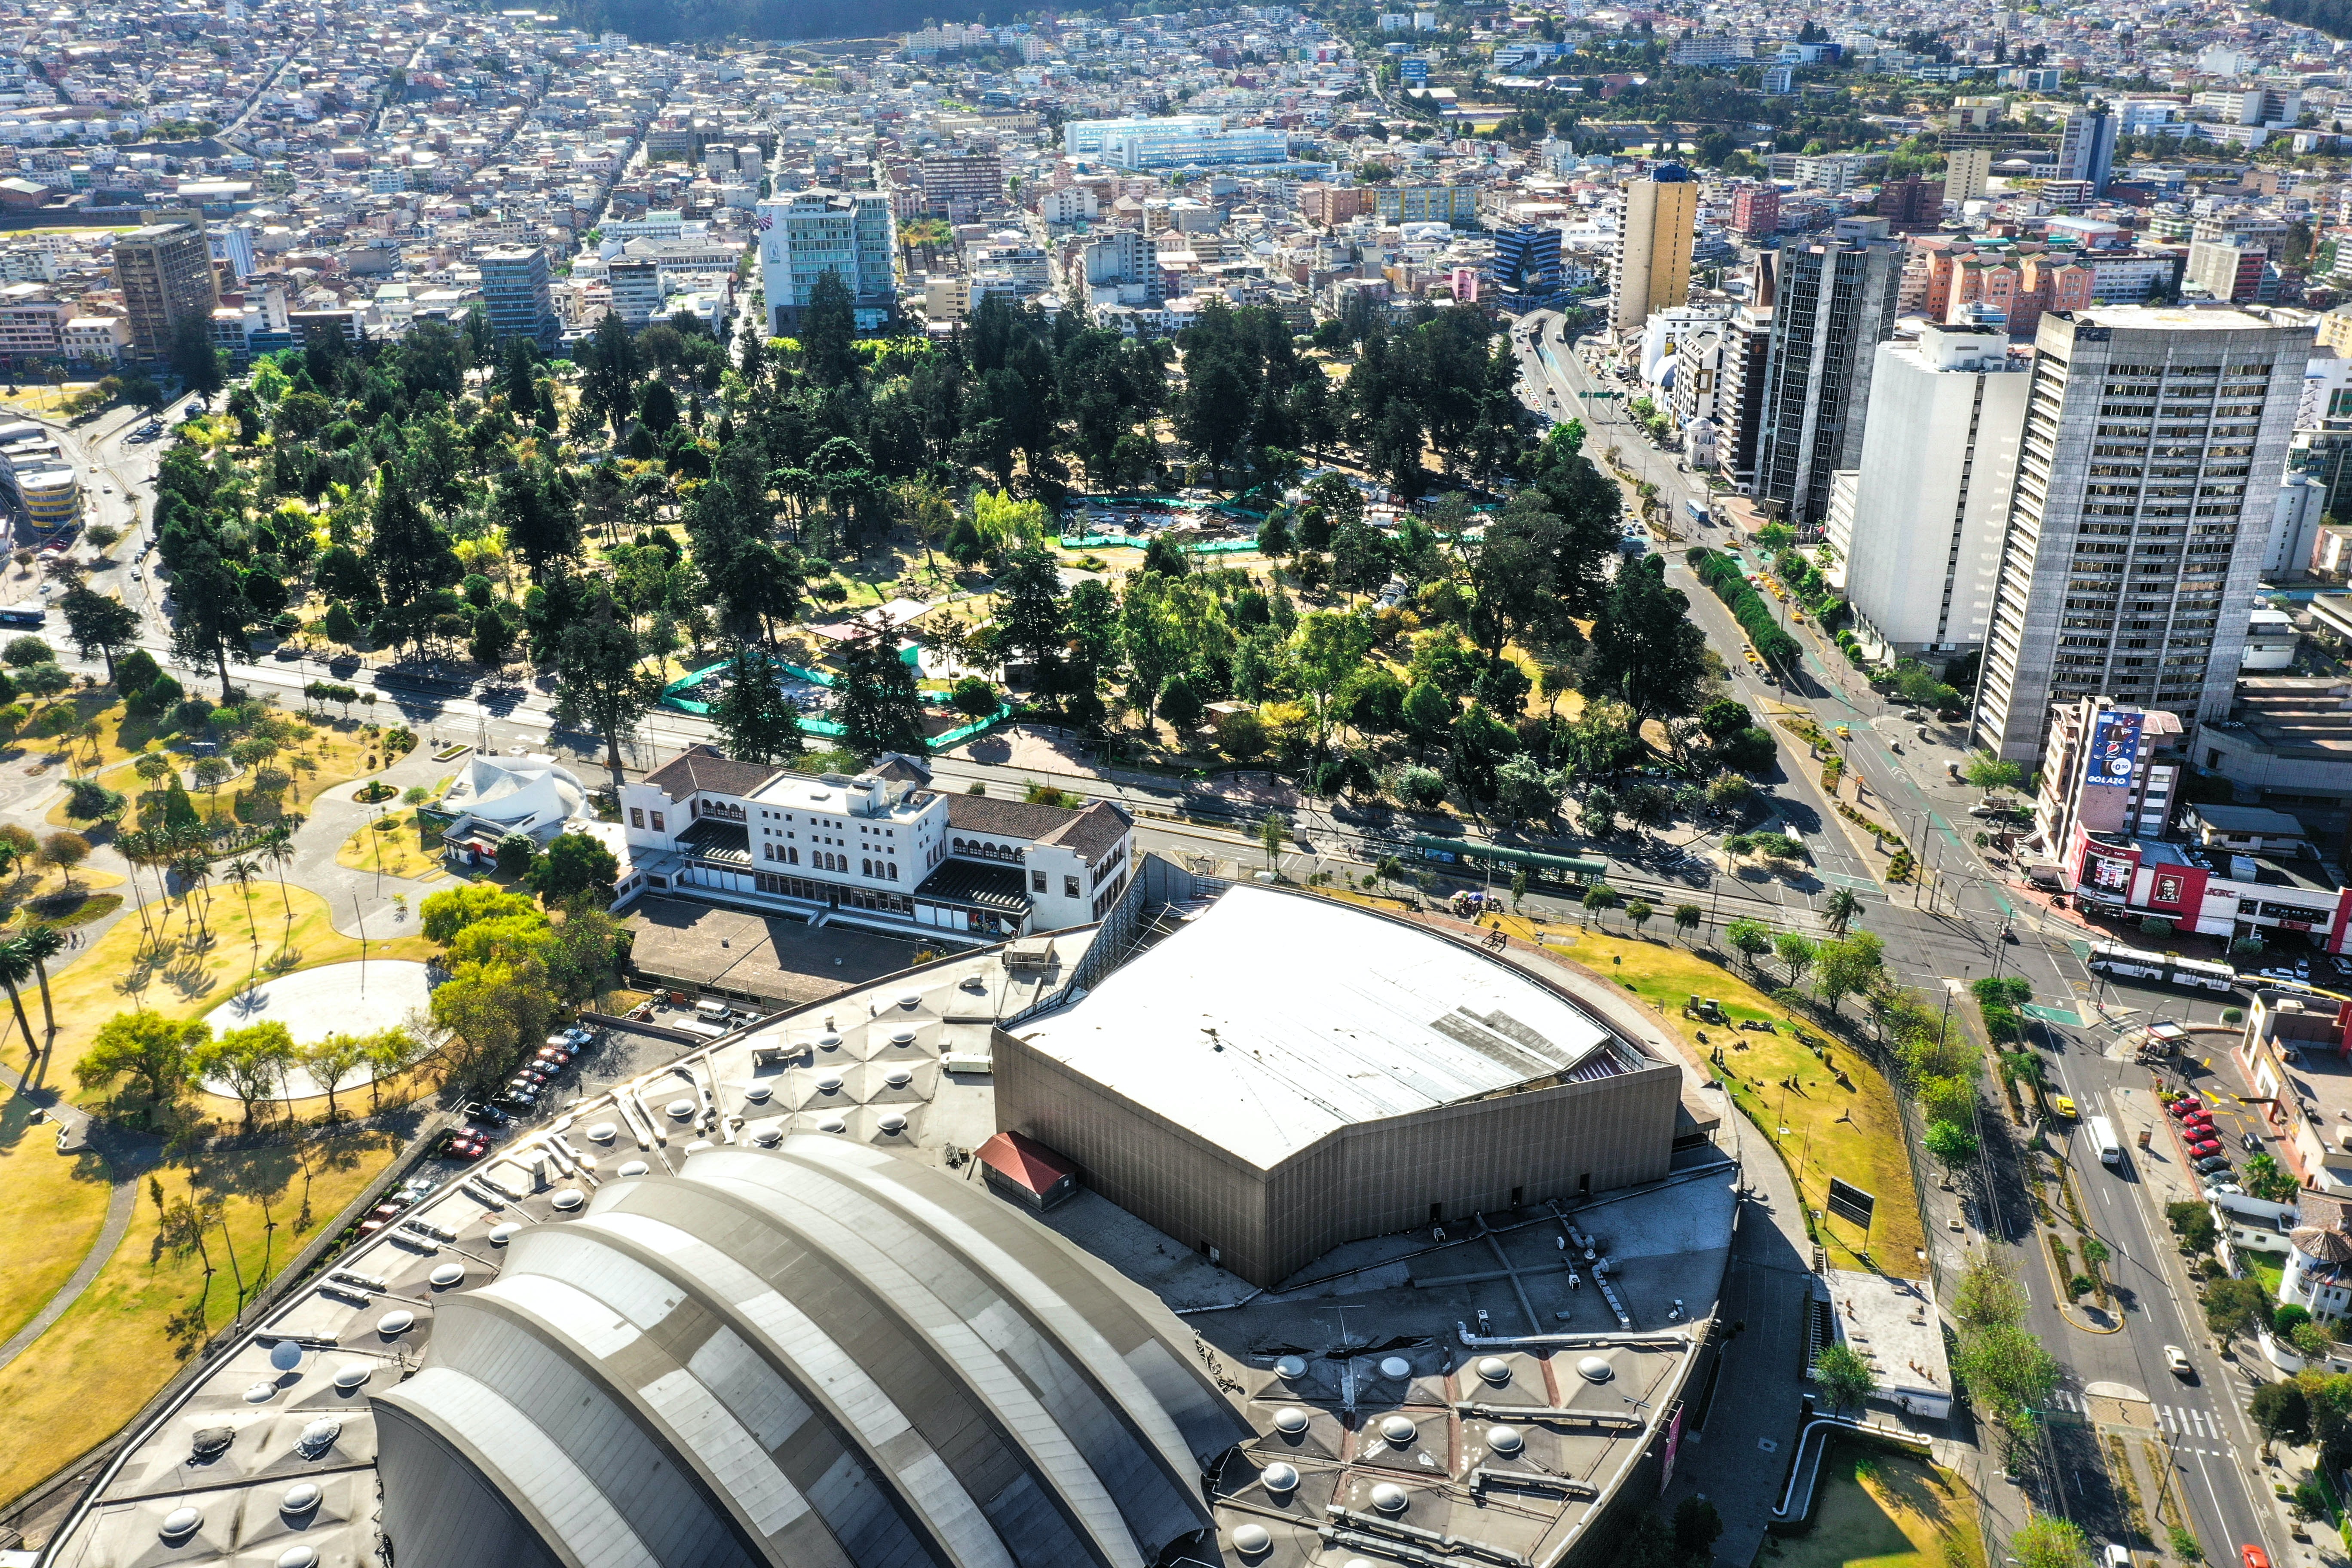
x,y
1366,1180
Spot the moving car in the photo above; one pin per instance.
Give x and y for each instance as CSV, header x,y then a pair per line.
x,y
2253,1557
2062,1106
2177,1360
2251,1142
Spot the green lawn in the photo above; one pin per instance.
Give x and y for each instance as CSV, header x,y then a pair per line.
x,y
1883,1510
2264,1267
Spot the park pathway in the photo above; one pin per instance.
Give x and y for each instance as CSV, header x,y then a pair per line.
x,y
74,1130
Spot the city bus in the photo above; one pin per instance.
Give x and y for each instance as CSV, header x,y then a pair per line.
x,y
2131,963
24,617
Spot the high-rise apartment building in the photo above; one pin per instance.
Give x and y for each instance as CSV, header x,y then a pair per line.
x,y
517,295
2154,437
1756,211
1911,205
165,273
2086,148
1968,172
1652,271
957,184
810,233
1920,530
1834,305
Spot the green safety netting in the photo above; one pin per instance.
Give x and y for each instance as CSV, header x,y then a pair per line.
x,y
810,724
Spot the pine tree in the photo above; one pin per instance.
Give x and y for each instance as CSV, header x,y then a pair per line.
x,y
875,701
755,722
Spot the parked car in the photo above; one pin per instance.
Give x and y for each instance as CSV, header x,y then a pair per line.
x,y
519,1100
2217,1188
2211,1163
2204,1149
463,1146
487,1114
2185,1104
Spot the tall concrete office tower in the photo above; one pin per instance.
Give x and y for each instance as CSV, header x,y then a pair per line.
x,y
1836,304
1652,269
1919,530
165,273
2086,148
2154,439
1968,172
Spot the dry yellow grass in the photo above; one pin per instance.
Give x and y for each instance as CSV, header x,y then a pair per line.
x,y
151,1305
51,1206
338,751
393,844
1854,1134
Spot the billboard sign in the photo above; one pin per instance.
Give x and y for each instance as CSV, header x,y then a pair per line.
x,y
2107,878
2114,749
1851,1203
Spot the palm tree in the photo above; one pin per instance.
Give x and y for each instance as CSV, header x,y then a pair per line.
x,y
43,942
132,848
242,872
1840,911
15,968
194,872
278,849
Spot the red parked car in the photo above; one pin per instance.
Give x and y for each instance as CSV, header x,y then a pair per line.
x,y
2205,1150
464,1146
2185,1104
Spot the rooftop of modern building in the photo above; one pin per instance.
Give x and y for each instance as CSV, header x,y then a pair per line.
x,y
2293,717
2234,865
1526,1382
1264,1061
2215,318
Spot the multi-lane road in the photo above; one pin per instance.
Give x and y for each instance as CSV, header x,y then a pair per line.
x,y
1939,942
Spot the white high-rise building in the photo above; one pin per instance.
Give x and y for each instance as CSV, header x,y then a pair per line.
x,y
1922,541
810,233
2155,437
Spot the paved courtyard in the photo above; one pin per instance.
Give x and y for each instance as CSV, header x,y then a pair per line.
x,y
335,998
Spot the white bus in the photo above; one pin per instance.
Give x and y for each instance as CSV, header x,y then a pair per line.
x,y
2131,963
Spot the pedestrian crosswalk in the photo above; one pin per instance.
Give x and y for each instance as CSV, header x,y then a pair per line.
x,y
2193,1431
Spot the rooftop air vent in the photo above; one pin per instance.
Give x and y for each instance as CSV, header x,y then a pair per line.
x,y
211,1442
319,1437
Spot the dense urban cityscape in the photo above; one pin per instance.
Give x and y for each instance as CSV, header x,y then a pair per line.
x,y
1520,785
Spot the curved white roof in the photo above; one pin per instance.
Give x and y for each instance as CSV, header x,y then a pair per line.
x,y
514,791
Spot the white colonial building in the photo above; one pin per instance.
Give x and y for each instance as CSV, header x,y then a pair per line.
x,y
882,848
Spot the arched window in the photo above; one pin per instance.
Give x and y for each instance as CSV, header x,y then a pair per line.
x,y
865,867
893,869
959,846
794,855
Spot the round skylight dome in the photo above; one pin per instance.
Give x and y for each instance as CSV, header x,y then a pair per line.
x,y
633,1168
1251,1539
1494,1369
1290,1368
1399,1430
1279,1477
300,1498
891,1123
603,1133
181,1522
399,1321
1595,1369
1504,1439
448,1274
298,1556
568,1198
1395,1367
680,1110
1389,1498
1291,1419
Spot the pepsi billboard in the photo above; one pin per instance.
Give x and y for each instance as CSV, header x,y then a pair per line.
x,y
2114,749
